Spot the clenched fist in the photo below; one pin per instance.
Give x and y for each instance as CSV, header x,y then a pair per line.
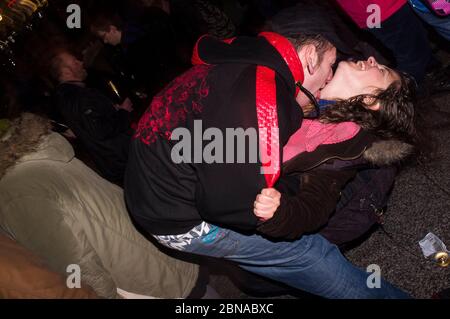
x,y
266,203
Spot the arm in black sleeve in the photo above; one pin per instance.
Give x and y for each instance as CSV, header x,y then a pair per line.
x,y
100,119
123,120
310,208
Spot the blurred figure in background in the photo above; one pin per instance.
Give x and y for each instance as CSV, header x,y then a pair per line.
x,y
154,42
102,127
311,17
440,23
401,32
146,55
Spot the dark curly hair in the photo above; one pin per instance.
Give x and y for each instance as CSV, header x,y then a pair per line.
x,y
395,118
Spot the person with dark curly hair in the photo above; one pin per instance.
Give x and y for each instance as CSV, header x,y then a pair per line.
x,y
367,126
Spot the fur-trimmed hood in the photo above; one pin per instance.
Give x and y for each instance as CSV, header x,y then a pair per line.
x,y
387,152
30,138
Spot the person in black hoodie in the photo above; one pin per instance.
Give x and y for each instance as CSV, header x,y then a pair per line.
x,y
190,203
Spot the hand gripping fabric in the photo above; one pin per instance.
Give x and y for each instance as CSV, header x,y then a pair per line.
x,y
266,106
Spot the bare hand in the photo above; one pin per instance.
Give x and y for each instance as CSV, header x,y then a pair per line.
x,y
69,134
267,203
127,105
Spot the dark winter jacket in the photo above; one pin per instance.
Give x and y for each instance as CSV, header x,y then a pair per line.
x,y
103,131
168,198
312,181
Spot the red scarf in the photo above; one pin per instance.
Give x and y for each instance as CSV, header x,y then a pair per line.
x,y
266,102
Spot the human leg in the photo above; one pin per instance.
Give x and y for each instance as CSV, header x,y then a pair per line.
x,y
310,263
440,24
404,34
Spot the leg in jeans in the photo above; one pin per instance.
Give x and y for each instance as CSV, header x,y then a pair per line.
x,y
404,34
440,24
310,263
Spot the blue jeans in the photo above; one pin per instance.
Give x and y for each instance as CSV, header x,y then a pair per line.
x,y
440,24
406,37
310,263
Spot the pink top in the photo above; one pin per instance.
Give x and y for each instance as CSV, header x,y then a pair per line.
x,y
313,133
357,9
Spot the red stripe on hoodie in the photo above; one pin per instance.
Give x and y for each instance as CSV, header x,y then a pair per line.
x,y
266,105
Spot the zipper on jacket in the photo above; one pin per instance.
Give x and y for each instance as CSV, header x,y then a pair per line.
x,y
334,157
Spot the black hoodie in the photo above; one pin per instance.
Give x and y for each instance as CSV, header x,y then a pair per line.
x,y
166,198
